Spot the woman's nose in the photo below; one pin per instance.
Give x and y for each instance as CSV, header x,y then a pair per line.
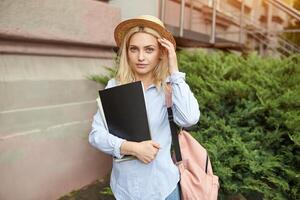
x,y
141,56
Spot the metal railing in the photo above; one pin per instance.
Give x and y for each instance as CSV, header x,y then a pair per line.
x,y
266,34
259,33
287,9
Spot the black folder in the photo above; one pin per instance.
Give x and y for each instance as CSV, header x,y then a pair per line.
x,y
125,111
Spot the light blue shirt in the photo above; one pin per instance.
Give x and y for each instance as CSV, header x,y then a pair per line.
x,y
134,180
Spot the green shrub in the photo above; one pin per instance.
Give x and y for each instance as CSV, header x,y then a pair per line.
x,y
250,121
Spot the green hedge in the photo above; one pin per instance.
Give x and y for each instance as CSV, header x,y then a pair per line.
x,y
250,121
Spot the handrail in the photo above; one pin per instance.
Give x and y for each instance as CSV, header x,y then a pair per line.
x,y
260,40
280,40
287,9
267,44
258,33
294,47
262,31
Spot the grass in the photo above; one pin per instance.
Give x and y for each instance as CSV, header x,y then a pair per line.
x,y
98,190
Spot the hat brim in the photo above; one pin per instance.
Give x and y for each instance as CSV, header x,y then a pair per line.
x,y
125,26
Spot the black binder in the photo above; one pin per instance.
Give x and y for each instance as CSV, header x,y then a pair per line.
x,y
125,111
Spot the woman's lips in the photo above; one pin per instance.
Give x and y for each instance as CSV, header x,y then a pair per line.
x,y
141,65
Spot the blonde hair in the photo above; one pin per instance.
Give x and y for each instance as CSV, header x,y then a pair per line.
x,y
126,75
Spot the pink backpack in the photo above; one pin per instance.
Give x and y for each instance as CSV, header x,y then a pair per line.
x,y
197,181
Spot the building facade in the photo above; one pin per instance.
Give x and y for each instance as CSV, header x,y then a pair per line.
x,y
243,25
49,47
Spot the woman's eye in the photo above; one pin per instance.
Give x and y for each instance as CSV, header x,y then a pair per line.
x,y
149,50
133,49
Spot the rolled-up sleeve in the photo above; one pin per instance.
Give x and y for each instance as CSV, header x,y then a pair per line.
x,y
185,106
100,137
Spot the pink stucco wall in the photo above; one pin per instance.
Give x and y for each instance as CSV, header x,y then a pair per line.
x,y
47,48
57,25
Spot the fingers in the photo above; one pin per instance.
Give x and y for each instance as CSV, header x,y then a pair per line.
x,y
149,159
166,43
172,58
147,151
155,144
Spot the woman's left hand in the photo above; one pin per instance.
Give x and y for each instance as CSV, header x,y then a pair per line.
x,y
173,66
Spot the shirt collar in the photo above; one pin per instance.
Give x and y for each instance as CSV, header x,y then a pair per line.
x,y
168,80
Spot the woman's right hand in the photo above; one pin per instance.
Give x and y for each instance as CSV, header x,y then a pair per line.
x,y
145,151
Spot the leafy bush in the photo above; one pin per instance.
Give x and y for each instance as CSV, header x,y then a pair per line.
x,y
250,121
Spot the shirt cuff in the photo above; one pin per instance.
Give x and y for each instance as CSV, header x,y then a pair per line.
x,y
117,148
177,77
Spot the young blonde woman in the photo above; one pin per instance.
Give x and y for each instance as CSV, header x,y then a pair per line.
x,y
147,54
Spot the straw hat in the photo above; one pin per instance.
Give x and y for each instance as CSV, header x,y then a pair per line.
x,y
143,21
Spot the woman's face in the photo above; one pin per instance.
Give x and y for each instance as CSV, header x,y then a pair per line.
x,y
143,53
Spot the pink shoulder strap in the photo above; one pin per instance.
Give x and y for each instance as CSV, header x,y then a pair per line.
x,y
168,95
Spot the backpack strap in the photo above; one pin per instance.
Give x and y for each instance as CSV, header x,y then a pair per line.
x,y
175,129
173,126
